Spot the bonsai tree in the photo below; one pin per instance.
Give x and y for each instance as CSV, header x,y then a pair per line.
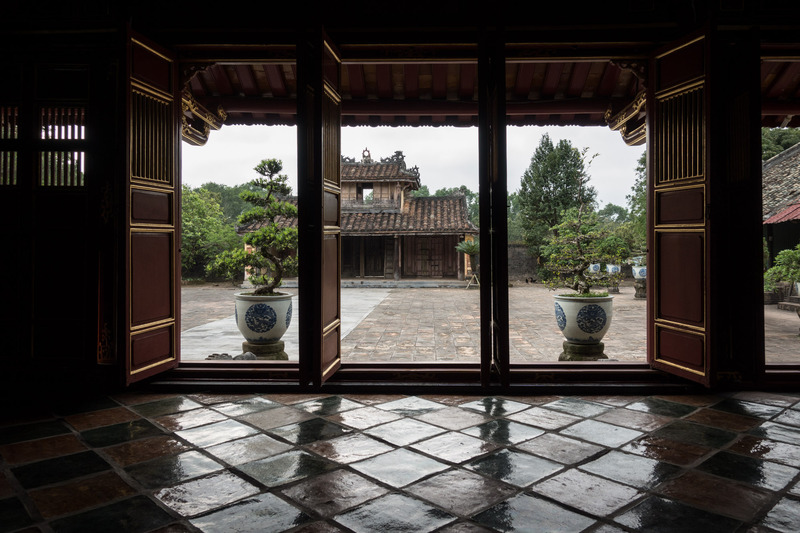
x,y
577,242
786,268
271,237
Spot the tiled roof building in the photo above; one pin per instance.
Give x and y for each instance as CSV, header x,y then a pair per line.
x,y
780,200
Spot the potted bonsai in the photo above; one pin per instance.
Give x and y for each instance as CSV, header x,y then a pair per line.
x,y
583,316
263,315
472,249
786,269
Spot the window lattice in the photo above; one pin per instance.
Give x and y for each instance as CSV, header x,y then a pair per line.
x,y
8,159
62,167
679,137
152,150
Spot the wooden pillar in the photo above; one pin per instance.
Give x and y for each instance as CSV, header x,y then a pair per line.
x,y
397,262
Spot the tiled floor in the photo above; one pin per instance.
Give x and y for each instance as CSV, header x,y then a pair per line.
x,y
268,463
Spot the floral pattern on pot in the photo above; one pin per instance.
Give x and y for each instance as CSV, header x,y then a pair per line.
x,y
561,317
612,269
591,318
639,272
594,268
289,315
260,318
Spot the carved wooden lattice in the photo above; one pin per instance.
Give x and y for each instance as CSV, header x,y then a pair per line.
x,y
152,149
679,123
61,127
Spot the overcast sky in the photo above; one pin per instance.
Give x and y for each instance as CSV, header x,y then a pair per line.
x,y
446,156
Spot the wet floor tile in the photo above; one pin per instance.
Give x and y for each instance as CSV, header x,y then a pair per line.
x,y
790,417
364,417
543,418
319,527
766,474
559,448
399,468
396,513
453,418
723,420
513,467
697,434
166,406
172,469
464,527
638,420
279,416
59,469
768,398
212,399
410,406
286,467
216,433
495,407
658,515
134,514
658,406
634,470
205,494
38,430
245,406
328,406
741,407
252,516
248,449
589,493
404,432
454,447
778,432
577,407
474,492
785,516
334,492
601,433
780,452
119,433
520,512
105,417
309,431
716,495
75,496
13,515
142,450
349,448
666,450
504,432
190,419
37,450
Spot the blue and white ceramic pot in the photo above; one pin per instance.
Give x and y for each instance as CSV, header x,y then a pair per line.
x,y
583,320
594,268
612,269
263,319
639,272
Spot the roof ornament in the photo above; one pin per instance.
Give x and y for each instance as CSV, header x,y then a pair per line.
x,y
366,157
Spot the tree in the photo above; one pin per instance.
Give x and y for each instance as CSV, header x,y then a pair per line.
x,y
613,213
229,198
204,231
272,240
776,140
422,192
472,200
553,182
637,205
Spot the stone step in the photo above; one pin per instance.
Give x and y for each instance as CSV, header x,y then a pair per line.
x,y
789,306
793,299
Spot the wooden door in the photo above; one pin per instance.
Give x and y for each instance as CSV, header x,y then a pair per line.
x,y
319,184
152,292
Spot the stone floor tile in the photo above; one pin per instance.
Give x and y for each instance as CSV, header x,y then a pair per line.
x,y
172,469
659,515
780,452
475,493
216,433
692,433
75,496
784,517
364,417
742,407
518,514
245,406
248,449
504,432
277,417
39,449
778,432
577,407
349,448
190,419
723,420
14,515
119,433
166,406
658,406
399,467
560,448
638,420
586,492
394,512
309,431
334,492
495,407
404,432
454,447
138,513
59,469
138,451
453,418
634,470
410,406
669,451
252,516
514,467
765,474
286,467
36,430
543,418
328,406
206,493
104,417
601,433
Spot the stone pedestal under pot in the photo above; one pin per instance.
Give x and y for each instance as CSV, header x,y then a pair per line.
x,y
583,321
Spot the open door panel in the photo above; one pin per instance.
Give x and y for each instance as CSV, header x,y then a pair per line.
x,y
152,289
319,145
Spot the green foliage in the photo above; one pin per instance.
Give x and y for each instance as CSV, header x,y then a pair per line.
x,y
273,240
637,205
554,182
204,231
776,140
577,242
786,268
516,233
613,213
229,198
469,247
422,192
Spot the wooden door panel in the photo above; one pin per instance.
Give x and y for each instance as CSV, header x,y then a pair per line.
x,y
152,228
